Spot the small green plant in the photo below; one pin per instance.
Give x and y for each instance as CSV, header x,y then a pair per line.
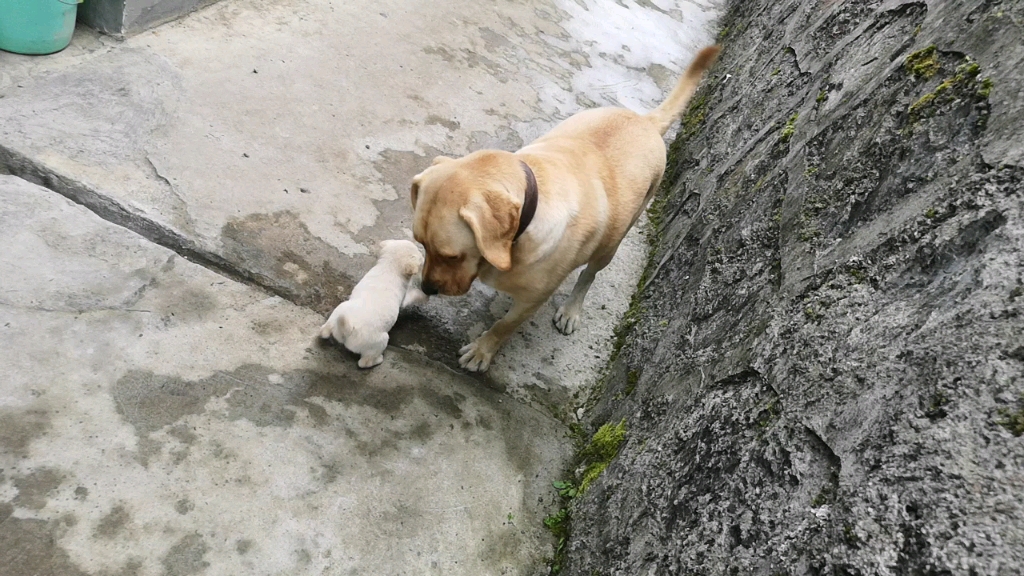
x,y
511,518
1013,420
768,415
776,71
819,500
923,63
631,381
789,128
558,525
986,88
723,33
566,489
937,405
808,232
822,96
931,213
596,454
824,496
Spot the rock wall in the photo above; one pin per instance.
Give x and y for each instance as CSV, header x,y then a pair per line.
x,y
822,370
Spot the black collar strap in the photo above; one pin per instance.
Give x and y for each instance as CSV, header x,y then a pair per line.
x,y
529,202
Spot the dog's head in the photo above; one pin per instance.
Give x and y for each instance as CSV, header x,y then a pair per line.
x,y
465,213
403,253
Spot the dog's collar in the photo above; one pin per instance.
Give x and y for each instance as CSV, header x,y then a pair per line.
x,y
529,201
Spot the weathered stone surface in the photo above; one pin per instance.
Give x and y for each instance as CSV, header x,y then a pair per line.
x,y
158,418
827,357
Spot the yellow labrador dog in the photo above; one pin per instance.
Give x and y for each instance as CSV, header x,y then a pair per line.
x,y
521,222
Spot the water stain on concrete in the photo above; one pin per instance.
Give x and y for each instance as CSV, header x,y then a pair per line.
x,y
243,546
151,402
29,547
396,169
113,522
503,138
434,119
19,428
469,59
186,556
280,252
35,487
184,506
665,79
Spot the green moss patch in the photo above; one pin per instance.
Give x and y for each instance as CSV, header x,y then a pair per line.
x,y
964,83
595,456
601,450
694,117
789,129
924,63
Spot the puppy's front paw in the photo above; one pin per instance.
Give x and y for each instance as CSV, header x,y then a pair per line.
x,y
370,361
567,319
476,356
414,296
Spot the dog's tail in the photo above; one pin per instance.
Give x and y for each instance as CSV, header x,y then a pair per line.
x,y
672,108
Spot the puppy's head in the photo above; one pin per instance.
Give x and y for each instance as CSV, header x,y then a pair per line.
x,y
465,213
403,253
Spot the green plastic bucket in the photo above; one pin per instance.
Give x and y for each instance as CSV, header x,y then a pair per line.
x,y
36,26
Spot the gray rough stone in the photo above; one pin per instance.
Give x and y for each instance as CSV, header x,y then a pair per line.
x,y
828,351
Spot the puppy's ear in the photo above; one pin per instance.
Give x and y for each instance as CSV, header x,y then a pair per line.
x,y
439,160
493,218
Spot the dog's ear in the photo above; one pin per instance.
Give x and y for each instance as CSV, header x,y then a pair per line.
x,y
415,191
493,218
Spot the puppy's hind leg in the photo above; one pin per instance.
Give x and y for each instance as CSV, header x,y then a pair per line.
x,y
372,352
567,317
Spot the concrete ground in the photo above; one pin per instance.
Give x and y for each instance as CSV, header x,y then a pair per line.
x,y
212,188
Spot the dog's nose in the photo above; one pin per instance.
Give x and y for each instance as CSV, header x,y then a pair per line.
x,y
428,288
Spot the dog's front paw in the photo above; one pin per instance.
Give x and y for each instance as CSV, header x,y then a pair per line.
x,y
567,320
476,357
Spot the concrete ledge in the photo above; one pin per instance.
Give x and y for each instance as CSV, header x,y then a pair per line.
x,y
123,17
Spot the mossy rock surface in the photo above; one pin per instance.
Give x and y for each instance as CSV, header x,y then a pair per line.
x,y
821,370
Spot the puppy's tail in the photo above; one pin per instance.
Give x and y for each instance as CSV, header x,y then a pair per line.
x,y
672,108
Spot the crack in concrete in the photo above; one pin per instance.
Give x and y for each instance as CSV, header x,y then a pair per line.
x,y
16,164
190,224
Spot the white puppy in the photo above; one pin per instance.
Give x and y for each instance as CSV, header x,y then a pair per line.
x,y
361,323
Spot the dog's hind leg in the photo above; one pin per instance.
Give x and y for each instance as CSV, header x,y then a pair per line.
x,y
567,317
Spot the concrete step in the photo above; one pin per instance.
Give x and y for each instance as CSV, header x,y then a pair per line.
x,y
275,141
156,417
